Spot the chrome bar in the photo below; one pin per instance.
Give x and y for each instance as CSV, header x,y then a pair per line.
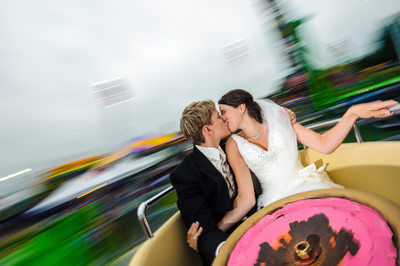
x,y
357,133
323,124
333,122
141,212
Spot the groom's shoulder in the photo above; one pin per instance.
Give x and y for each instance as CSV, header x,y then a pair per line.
x,y
186,164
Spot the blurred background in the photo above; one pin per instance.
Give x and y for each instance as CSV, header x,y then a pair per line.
x,y
91,95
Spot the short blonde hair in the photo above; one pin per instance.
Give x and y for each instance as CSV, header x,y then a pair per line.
x,y
194,117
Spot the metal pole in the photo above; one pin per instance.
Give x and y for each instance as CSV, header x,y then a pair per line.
x,y
143,220
357,133
141,212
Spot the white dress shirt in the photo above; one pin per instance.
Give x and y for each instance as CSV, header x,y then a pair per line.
x,y
218,158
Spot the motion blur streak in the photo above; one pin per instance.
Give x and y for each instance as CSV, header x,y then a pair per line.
x,y
15,174
91,191
100,224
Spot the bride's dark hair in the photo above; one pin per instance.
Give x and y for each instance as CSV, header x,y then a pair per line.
x,y
237,97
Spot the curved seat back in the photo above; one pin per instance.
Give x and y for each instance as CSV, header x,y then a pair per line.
x,y
167,247
368,166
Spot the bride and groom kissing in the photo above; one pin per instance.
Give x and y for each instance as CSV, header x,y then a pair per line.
x,y
214,184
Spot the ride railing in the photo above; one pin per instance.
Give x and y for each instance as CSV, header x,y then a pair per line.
x,y
315,126
332,122
141,212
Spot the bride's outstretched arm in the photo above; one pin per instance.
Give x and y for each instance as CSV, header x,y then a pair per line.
x,y
245,199
330,140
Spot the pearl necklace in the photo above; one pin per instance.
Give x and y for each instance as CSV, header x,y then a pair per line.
x,y
258,135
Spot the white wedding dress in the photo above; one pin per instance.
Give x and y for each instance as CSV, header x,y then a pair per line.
x,y
279,169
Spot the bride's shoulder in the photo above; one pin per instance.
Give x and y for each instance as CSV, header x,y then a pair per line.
x,y
236,138
231,143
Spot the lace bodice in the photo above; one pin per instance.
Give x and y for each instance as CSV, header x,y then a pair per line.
x,y
278,167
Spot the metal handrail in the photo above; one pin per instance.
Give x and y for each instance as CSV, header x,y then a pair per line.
x,y
141,212
356,131
144,205
332,122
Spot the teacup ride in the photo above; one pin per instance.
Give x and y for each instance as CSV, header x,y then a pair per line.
x,y
324,227
358,225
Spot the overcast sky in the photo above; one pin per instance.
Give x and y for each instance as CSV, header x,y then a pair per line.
x,y
167,54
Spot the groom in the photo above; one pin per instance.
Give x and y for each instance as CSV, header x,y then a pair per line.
x,y
204,183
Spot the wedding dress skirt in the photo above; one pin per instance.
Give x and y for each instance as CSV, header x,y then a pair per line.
x,y
279,169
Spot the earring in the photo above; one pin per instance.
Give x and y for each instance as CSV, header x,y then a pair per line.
x,y
242,114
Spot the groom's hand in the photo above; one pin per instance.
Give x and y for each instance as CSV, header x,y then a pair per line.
x,y
193,234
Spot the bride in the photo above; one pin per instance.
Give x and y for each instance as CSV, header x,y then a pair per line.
x,y
267,145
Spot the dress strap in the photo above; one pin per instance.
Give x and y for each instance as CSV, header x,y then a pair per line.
x,y
237,138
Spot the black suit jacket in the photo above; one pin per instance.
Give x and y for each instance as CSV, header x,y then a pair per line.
x,y
202,196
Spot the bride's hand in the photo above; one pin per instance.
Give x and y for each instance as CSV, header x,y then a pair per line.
x,y
292,115
376,109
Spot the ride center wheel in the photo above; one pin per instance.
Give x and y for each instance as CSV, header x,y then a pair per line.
x,y
322,227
